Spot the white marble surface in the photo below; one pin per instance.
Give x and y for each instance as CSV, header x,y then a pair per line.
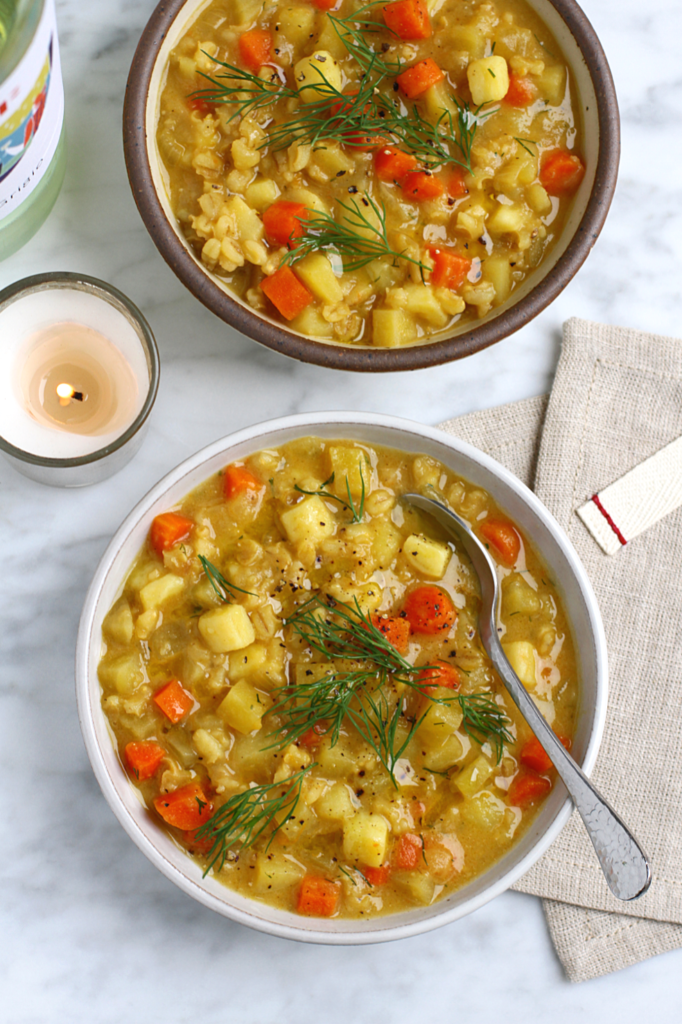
x,y
89,931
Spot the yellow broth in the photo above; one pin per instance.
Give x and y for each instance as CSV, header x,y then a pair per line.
x,y
284,538
448,260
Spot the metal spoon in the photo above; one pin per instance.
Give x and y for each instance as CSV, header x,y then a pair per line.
x,y
622,860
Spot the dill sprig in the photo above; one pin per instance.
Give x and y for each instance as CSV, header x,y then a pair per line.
x,y
357,512
242,88
351,31
244,818
347,238
432,141
223,588
522,143
361,695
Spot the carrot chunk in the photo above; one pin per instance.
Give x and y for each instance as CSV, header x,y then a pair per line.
x,y
522,91
237,479
377,876
504,540
534,756
201,105
318,897
439,674
420,77
144,758
169,529
409,19
356,140
326,5
420,185
255,47
396,629
429,610
313,737
561,172
187,808
455,184
282,224
173,701
408,855
392,164
449,268
286,292
527,788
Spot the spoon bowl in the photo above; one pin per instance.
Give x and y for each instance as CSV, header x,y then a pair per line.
x,y
625,866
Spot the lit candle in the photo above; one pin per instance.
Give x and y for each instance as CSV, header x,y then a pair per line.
x,y
78,378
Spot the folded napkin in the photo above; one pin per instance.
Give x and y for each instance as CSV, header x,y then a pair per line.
x,y
616,401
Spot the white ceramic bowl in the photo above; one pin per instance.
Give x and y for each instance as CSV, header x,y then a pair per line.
x,y
523,508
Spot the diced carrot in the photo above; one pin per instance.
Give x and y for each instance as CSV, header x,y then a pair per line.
x,y
409,19
377,876
318,897
504,540
174,701
392,164
430,610
186,808
169,529
326,5
396,629
420,185
144,758
408,855
534,756
440,673
255,47
455,184
237,479
561,172
313,737
449,268
527,788
201,105
522,91
286,292
349,137
419,78
282,222
195,845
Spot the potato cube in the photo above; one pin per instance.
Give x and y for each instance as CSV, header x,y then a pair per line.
x,y
349,466
317,275
392,328
421,301
315,70
244,11
331,161
311,322
440,720
156,593
226,629
521,656
275,872
125,674
468,38
261,194
261,663
365,839
518,596
118,625
438,98
419,886
310,520
484,811
426,556
249,225
308,672
552,84
243,707
474,777
440,758
508,220
336,804
385,544
297,23
498,270
538,199
488,79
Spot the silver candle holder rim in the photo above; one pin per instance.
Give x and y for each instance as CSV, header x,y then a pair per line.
x,y
121,302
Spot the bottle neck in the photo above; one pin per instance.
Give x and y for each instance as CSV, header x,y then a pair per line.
x,y
18,22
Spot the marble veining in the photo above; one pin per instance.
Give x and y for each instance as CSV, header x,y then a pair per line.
x,y
89,931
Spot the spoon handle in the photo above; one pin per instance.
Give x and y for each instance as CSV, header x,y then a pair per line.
x,y
622,860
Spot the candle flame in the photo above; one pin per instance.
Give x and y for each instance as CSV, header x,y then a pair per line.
x,y
65,391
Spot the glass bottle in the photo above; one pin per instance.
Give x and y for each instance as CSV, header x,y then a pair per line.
x,y
32,144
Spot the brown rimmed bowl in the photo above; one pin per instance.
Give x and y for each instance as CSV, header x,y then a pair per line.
x,y
601,128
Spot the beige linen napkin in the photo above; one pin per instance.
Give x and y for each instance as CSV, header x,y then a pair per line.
x,y
616,400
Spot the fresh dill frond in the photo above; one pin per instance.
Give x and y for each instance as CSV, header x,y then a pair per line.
x,y
351,31
441,142
221,586
243,819
356,512
484,720
522,143
321,231
242,88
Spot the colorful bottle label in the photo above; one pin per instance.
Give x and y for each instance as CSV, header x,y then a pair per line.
x,y
31,115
